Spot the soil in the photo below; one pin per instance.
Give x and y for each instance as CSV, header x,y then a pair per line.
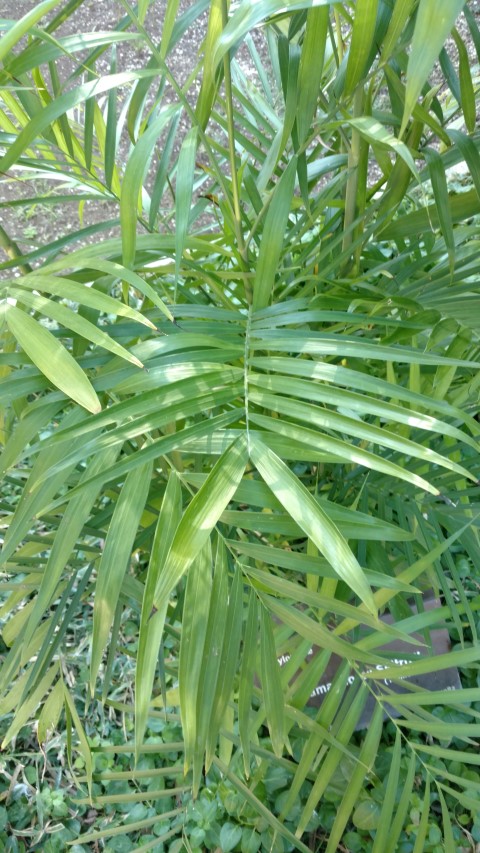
x,y
34,225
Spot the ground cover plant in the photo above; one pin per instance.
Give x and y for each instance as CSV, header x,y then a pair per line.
x,y
239,396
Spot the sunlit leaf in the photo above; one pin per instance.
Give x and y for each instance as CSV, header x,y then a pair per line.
x,y
271,246
15,33
52,359
311,518
426,45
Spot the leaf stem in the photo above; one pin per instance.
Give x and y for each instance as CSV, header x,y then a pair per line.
x,y
12,250
351,194
237,210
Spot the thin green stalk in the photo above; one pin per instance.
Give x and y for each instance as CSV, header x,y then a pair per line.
x,y
353,168
338,27
237,211
12,250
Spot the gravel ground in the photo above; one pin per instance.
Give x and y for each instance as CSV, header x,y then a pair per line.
x,y
33,226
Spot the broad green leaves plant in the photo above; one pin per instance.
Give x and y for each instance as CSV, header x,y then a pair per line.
x,y
240,412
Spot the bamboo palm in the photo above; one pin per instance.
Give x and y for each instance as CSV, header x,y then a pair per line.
x,y
248,416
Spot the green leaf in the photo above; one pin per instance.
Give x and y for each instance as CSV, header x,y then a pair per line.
x,y
333,757
115,559
449,841
21,27
212,664
73,321
42,484
440,192
459,657
334,374
69,529
88,296
197,524
366,815
426,45
328,343
462,206
50,713
183,193
388,806
400,14
201,517
130,277
208,88
171,13
271,683
31,424
318,730
470,154
151,627
402,808
316,633
132,181
194,631
423,825
251,13
230,835
37,54
111,127
133,826
341,398
262,809
61,105
342,450
467,91
311,68
312,519
84,747
228,663
52,359
273,236
361,42
368,753
375,132
246,678
28,706
162,170
143,7
316,600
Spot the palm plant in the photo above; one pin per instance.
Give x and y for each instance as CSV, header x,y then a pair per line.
x,y
243,407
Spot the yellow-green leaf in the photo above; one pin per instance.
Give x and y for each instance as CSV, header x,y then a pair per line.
x,y
312,519
21,27
52,359
427,42
361,42
194,630
50,713
273,235
201,517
